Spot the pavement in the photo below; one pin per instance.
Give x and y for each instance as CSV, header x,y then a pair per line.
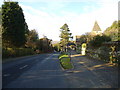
x,y
45,71
93,73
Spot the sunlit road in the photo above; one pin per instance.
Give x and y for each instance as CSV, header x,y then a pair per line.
x,y
44,71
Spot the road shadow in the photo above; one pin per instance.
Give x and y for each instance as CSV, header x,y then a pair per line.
x,y
105,71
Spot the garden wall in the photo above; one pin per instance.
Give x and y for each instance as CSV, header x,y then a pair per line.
x,y
108,52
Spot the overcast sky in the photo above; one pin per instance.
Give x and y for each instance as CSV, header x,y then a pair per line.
x,y
47,16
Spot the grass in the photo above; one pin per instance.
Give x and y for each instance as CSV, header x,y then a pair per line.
x,y
65,61
63,56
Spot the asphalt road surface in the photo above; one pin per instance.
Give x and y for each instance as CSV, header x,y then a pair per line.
x,y
44,71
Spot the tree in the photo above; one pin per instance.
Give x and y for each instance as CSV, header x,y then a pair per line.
x,y
0,27
119,30
32,39
45,44
0,16
56,46
65,36
113,31
85,38
13,25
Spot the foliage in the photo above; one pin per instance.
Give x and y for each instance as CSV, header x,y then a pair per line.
x,y
66,64
82,39
104,53
17,39
0,15
112,31
84,45
42,45
14,25
56,47
32,39
98,40
61,56
119,30
85,38
65,36
65,61
45,45
16,52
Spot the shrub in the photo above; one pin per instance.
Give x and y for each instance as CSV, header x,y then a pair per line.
x,y
16,52
5,53
104,53
98,40
65,61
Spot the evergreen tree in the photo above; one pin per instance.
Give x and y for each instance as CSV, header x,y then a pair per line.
x,y
65,36
14,25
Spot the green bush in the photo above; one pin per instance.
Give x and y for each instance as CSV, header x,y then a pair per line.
x,y
62,53
65,61
16,52
118,58
66,64
5,53
98,40
104,53
62,56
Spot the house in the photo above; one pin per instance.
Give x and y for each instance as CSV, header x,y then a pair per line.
x,y
96,29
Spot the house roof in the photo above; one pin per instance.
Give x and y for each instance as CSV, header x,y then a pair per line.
x,y
96,27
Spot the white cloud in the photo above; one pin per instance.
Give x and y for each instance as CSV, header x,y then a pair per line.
x,y
46,24
49,23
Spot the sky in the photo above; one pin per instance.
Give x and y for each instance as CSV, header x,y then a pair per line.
x,y
47,16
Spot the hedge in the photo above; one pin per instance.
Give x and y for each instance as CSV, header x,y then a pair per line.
x,y
104,53
16,52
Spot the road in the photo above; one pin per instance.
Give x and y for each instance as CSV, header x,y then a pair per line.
x,y
44,71
12,70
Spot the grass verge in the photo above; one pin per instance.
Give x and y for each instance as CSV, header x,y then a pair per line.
x,y
65,61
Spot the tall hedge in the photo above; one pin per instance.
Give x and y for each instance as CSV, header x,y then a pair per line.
x,y
97,41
